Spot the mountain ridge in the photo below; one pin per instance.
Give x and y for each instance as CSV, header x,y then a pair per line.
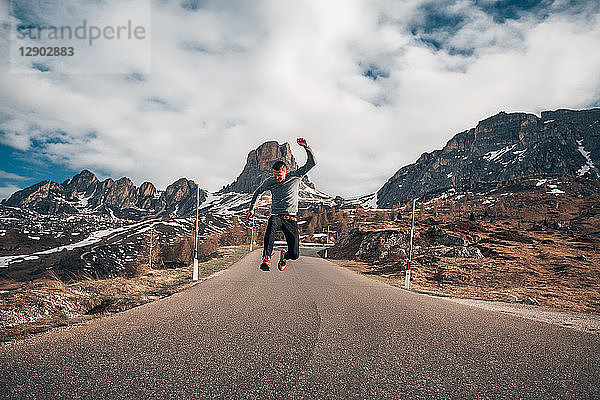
x,y
503,147
85,193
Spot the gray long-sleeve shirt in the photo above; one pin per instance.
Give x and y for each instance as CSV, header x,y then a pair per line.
x,y
284,195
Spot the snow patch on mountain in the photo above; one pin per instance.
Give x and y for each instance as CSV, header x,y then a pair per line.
x,y
366,201
228,203
83,201
589,165
494,156
93,238
519,154
372,202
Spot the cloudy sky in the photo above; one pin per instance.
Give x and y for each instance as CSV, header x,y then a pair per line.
x,y
371,84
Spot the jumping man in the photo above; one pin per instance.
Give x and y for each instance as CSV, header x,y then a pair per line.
x,y
284,207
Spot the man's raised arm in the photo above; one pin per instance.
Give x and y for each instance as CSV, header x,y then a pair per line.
x,y
310,159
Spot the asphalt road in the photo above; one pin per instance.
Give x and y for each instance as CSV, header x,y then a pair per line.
x,y
313,331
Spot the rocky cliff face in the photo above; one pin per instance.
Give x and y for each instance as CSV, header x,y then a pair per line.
x,y
44,197
501,148
180,197
259,167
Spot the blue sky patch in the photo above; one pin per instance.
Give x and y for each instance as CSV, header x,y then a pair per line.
x,y
440,21
374,72
136,76
31,167
40,67
514,9
192,5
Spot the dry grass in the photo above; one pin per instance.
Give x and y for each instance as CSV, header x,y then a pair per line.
x,y
554,270
538,247
29,308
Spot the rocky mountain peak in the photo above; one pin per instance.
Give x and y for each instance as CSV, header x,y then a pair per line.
x,y
180,189
86,174
147,189
121,193
84,182
180,197
259,166
262,158
146,195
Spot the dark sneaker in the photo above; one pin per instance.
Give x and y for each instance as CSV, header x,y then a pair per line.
x,y
266,264
282,261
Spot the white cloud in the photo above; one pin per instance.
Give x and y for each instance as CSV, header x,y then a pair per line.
x,y
7,191
19,140
11,176
227,78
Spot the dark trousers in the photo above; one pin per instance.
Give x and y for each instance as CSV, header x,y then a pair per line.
x,y
292,237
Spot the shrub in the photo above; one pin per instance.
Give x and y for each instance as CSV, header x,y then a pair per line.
x,y
208,247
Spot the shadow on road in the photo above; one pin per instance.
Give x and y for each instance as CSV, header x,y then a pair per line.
x,y
304,251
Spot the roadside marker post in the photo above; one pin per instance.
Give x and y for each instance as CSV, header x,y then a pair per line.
x,y
151,249
412,231
251,233
195,273
327,241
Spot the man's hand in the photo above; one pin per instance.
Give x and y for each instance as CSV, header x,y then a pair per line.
x,y
302,142
249,214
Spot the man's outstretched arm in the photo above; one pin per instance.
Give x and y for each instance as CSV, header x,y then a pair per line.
x,y
259,190
310,159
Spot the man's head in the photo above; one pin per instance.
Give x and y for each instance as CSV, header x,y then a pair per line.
x,y
279,171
